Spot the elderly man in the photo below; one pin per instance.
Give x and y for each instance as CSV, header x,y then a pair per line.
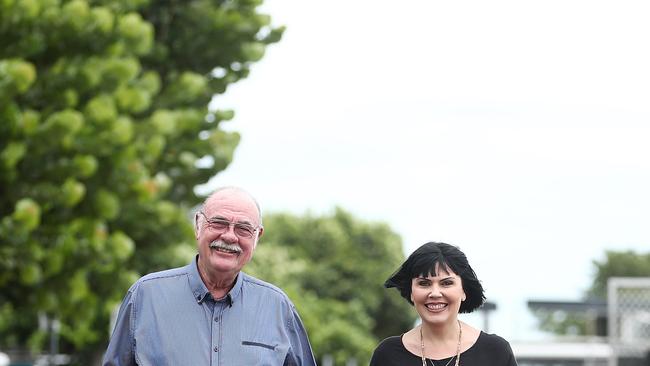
x,y
208,312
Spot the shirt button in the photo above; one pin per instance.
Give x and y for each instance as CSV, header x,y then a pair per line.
x,y
216,319
216,349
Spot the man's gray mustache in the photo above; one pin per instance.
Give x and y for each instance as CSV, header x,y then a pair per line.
x,y
222,245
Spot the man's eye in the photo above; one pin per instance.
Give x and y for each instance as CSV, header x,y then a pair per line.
x,y
218,224
244,228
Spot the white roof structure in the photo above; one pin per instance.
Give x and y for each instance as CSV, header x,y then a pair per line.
x,y
564,350
4,359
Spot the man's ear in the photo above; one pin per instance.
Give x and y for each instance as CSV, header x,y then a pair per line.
x,y
196,225
260,232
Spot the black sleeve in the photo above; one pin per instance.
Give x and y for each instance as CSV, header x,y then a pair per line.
x,y
490,350
511,356
389,353
378,355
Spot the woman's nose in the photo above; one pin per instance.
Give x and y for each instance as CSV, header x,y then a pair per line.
x,y
435,292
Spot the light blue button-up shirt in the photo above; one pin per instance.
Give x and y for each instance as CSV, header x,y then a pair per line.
x,y
170,318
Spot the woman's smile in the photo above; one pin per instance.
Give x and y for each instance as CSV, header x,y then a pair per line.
x,y
436,307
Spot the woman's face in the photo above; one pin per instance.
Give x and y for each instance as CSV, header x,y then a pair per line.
x,y
437,298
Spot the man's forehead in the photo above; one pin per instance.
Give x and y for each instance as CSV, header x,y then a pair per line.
x,y
231,201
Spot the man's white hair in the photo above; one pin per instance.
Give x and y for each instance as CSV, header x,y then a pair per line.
x,y
238,189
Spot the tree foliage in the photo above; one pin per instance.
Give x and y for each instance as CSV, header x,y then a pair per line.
x,y
333,268
104,133
618,264
564,323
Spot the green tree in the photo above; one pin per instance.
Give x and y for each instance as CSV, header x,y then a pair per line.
x,y
333,268
618,264
615,264
104,133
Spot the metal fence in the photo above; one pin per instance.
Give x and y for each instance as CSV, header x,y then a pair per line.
x,y
628,304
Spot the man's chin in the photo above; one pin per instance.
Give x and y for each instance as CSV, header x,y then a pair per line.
x,y
224,262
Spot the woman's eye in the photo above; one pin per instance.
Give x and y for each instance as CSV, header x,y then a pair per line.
x,y
448,283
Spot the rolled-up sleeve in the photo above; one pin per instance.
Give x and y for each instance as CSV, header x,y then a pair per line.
x,y
120,351
300,353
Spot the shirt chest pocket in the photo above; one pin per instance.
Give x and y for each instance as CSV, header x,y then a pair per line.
x,y
263,353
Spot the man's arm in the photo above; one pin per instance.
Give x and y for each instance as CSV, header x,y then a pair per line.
x,y
300,353
120,348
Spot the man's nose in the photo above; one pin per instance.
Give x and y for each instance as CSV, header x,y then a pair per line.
x,y
229,235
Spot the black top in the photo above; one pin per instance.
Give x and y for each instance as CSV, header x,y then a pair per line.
x,y
489,350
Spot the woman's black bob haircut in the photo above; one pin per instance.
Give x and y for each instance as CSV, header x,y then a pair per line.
x,y
422,263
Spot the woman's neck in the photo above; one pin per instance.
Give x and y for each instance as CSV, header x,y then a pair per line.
x,y
441,333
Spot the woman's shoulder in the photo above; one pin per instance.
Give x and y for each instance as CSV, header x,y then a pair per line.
x,y
390,352
390,343
492,338
490,347
492,342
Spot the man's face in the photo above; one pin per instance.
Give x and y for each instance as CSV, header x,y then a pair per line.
x,y
223,248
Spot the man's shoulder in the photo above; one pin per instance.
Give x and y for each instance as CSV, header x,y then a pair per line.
x,y
157,277
167,273
268,289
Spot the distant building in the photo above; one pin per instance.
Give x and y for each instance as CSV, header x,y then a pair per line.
x,y
618,330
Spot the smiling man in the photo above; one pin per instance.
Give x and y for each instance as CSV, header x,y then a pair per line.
x,y
209,312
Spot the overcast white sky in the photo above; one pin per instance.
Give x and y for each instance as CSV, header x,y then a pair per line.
x,y
517,130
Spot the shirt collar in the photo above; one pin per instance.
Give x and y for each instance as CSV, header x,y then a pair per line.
x,y
200,291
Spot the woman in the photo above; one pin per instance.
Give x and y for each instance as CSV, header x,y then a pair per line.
x,y
439,282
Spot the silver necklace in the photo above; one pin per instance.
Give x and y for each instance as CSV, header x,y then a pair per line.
x,y
460,335
447,364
